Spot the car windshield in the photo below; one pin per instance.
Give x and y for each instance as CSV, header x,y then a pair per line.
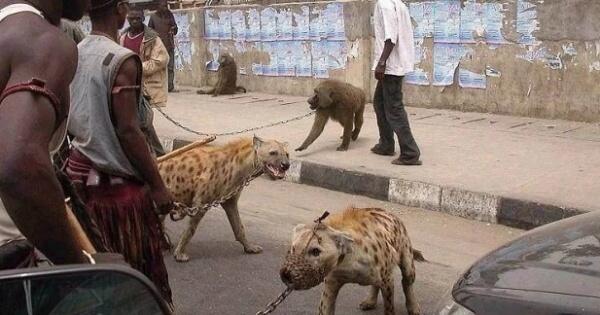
x,y
81,293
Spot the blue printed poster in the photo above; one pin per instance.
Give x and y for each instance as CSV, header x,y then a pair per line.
x,y
527,22
472,80
447,21
301,24
285,30
253,34
334,21
238,26
286,65
494,19
418,76
320,60
317,26
224,24
271,49
445,60
472,23
211,24
303,58
337,52
214,51
268,25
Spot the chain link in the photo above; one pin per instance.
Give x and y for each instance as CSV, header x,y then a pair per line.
x,y
273,305
230,133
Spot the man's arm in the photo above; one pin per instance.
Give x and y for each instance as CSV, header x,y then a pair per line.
x,y
385,54
28,186
159,58
389,23
173,23
133,142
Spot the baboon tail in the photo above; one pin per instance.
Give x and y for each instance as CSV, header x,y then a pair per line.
x,y
204,91
241,89
418,255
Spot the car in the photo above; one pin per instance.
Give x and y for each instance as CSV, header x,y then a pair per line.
x,y
553,269
79,289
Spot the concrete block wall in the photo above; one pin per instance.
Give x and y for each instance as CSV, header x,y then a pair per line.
x,y
568,30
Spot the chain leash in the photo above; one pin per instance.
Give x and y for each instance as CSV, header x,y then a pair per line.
x,y
273,305
230,133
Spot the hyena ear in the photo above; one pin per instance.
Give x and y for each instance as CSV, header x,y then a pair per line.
x,y
257,142
343,241
297,230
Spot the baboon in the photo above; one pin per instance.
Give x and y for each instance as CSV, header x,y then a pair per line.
x,y
341,102
226,78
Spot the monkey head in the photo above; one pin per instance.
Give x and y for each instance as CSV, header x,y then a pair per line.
x,y
321,98
225,59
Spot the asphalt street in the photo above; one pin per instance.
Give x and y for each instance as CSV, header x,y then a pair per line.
x,y
221,279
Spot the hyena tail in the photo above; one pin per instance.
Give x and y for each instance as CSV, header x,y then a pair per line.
x,y
418,255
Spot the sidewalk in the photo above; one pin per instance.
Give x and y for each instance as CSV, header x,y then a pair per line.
x,y
516,171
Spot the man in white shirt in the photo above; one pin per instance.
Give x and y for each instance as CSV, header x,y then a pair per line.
x,y
393,59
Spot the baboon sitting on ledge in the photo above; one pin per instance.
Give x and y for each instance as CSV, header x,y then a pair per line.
x,y
226,78
341,102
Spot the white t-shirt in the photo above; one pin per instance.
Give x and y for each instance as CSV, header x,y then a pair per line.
x,y
392,21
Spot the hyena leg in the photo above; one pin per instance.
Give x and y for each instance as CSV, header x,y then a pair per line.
x,y
407,266
180,254
231,209
328,297
387,291
371,301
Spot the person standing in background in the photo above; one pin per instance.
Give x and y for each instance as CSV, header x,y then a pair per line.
x,y
164,23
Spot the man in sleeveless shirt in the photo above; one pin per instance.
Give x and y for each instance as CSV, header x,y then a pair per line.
x,y
111,163
37,63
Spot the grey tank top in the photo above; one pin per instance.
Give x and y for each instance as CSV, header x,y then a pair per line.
x,y
90,119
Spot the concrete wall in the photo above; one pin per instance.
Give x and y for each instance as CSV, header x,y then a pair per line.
x,y
555,74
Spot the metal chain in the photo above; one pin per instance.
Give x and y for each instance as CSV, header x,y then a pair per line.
x,y
273,305
230,133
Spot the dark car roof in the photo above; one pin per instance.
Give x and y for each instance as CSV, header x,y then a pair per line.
x,y
559,258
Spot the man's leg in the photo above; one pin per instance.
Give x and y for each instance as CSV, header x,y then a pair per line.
x,y
398,119
171,69
386,134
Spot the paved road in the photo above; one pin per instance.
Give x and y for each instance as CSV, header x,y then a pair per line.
x,y
221,279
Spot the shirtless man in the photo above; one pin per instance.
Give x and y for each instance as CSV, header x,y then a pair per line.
x,y
37,64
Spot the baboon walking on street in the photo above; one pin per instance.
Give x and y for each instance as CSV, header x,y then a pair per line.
x,y
226,78
341,102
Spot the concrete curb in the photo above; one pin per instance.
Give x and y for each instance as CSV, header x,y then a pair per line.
x,y
473,205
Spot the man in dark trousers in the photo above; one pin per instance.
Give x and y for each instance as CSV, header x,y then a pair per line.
x,y
111,164
164,23
37,64
394,58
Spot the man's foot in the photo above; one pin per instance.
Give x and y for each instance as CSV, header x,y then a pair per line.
x,y
400,161
379,150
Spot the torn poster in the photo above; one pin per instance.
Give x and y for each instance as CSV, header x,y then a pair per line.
x,y
494,20
224,24
543,55
337,53
211,24
569,49
301,24
183,43
238,26
422,14
318,25
471,80
320,66
491,72
257,69
418,76
243,71
471,22
214,51
268,25
270,69
303,58
446,58
527,22
285,59
334,21
284,25
447,21
253,34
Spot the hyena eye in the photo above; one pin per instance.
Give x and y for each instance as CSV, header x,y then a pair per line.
x,y
273,153
315,252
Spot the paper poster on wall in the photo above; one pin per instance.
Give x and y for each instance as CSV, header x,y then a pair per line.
x,y
253,34
224,24
418,76
423,15
446,58
238,26
271,68
334,21
211,24
494,20
527,22
337,54
317,26
447,21
472,23
286,65
214,51
284,25
268,25
303,58
301,24
182,41
320,62
471,80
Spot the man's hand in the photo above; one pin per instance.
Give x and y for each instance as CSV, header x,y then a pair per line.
x,y
162,199
379,71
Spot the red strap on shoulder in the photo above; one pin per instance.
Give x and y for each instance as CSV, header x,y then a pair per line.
x,y
38,86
